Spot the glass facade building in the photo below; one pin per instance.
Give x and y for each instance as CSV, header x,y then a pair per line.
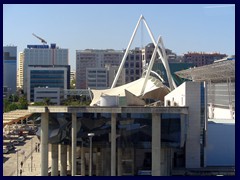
x,y
48,76
133,143
10,68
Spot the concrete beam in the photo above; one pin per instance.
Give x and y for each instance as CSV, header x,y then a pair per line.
x,y
90,109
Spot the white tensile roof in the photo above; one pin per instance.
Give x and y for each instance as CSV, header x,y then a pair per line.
x,y
134,87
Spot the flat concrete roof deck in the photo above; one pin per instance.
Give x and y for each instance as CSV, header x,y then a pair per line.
x,y
15,116
91,109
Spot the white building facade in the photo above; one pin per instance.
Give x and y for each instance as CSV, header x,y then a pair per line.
x,y
43,55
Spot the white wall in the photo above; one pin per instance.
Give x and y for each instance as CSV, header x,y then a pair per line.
x,y
188,94
221,113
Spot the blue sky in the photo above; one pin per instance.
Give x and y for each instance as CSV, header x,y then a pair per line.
x,y
184,27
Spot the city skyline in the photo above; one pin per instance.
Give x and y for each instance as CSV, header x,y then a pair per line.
x,y
184,27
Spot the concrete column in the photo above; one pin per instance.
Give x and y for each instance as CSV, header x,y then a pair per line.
x,y
82,161
63,159
54,160
119,160
183,129
113,144
193,146
74,143
44,144
103,161
156,144
206,121
97,162
70,158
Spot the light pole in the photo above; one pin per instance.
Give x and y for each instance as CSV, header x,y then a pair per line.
x,y
90,135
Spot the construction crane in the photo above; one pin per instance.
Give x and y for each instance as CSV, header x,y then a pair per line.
x,y
42,40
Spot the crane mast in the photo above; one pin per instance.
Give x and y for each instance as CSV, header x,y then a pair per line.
x,y
42,40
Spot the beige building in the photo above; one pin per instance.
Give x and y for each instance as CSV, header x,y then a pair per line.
x,y
202,58
93,58
20,70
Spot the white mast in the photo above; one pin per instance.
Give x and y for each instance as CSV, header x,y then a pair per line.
x,y
162,57
126,53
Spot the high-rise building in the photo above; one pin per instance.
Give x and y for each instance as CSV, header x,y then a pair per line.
x,y
202,58
133,65
91,58
43,55
97,78
20,70
112,71
10,68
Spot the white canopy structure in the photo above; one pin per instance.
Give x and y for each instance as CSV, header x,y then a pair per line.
x,y
145,87
154,89
219,71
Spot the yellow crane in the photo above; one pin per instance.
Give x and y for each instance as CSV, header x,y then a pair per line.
x,y
42,40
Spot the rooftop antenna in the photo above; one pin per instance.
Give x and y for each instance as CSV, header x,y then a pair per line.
x,y
42,40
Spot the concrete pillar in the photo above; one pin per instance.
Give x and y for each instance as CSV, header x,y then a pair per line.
x,y
193,146
106,162
74,143
63,159
156,144
103,161
82,161
97,162
113,144
54,160
206,121
183,129
44,144
70,158
119,160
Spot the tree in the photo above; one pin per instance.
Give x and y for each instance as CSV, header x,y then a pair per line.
x,y
73,84
12,107
6,104
47,101
23,103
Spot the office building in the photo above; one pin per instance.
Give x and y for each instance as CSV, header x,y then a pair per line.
x,y
112,71
92,58
57,76
55,95
43,55
133,65
10,69
97,78
202,58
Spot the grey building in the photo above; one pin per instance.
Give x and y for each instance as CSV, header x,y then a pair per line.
x,y
10,68
93,58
